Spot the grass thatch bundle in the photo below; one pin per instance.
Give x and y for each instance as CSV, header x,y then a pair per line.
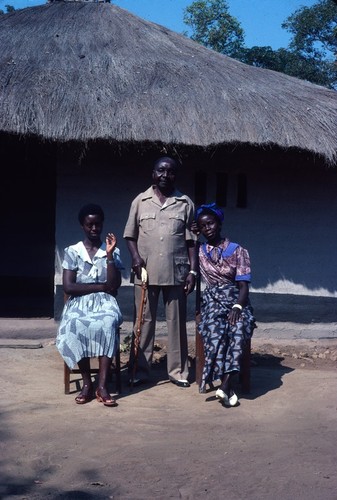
x,y
92,71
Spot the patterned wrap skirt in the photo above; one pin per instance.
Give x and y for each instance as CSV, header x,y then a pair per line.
x,y
89,327
222,342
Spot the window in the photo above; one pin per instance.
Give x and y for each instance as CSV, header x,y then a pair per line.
x,y
200,193
221,189
241,200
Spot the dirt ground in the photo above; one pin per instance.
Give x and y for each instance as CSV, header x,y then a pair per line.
x,y
165,442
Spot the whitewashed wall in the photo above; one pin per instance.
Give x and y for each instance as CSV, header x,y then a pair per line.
x,y
289,225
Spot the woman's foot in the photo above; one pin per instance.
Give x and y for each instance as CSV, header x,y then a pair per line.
x,y
228,399
85,395
104,397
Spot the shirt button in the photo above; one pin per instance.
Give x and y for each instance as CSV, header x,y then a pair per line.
x,y
161,238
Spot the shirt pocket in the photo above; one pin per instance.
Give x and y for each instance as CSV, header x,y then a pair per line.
x,y
147,221
177,224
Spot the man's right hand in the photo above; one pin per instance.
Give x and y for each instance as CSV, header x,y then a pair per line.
x,y
137,268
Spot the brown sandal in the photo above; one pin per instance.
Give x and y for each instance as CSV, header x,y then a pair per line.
x,y
106,400
81,399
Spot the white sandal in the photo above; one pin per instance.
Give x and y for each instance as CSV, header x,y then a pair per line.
x,y
228,401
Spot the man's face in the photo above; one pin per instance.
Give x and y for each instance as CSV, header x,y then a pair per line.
x,y
164,175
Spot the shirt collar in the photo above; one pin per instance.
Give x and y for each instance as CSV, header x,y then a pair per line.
x,y
82,252
149,193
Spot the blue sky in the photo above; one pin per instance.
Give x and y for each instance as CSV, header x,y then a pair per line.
x,y
260,19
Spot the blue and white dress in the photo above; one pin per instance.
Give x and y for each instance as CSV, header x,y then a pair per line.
x,y
89,323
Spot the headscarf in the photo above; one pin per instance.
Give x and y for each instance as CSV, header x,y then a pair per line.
x,y
212,207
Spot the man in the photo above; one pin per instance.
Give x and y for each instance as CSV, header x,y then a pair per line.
x,y
159,239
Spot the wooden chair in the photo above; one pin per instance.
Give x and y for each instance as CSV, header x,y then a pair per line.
x,y
115,371
115,367
244,376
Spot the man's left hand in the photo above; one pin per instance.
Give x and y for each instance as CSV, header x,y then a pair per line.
x,y
189,283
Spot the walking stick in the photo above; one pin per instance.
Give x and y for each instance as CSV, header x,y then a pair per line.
x,y
139,322
199,346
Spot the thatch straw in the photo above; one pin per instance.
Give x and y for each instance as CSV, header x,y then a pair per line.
x,y
88,71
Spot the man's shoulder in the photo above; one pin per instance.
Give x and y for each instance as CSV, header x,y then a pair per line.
x,y
144,195
181,196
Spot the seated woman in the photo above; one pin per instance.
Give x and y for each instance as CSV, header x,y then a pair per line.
x,y
91,316
226,314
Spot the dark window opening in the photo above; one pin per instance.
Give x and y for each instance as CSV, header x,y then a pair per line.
x,y
241,201
200,189
221,189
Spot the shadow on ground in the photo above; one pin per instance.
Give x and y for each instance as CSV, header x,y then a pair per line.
x,y
267,372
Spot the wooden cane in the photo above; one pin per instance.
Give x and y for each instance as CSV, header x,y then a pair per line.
x,y
139,322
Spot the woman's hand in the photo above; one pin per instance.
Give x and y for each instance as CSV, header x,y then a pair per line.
x,y
113,279
194,228
234,315
111,243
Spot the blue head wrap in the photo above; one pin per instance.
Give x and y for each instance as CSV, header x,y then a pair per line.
x,y
212,207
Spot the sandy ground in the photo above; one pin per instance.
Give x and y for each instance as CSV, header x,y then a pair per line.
x,y
164,442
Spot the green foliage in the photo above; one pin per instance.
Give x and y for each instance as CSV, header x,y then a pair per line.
x,y
9,8
313,30
214,27
311,53
291,63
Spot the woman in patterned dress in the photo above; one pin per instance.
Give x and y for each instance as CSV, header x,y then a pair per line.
x,y
91,316
226,314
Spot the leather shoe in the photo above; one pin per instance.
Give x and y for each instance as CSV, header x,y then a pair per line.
x,y
181,383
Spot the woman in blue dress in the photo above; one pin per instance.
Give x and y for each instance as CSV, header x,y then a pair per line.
x,y
91,316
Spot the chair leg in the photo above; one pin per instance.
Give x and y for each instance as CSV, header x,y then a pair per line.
x,y
245,367
199,357
118,372
66,379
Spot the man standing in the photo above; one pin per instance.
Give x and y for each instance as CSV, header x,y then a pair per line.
x,y
159,239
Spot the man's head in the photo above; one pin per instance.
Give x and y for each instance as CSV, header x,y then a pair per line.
x,y
164,174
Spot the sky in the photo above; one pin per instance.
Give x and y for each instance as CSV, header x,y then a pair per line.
x,y
260,19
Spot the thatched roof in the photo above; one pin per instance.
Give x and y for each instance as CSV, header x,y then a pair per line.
x,y
93,71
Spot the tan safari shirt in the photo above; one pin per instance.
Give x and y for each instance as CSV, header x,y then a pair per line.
x,y
161,233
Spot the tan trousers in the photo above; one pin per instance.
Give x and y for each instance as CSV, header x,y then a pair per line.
x,y
174,299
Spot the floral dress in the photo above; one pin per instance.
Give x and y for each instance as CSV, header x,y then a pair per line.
x,y
221,268
89,324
